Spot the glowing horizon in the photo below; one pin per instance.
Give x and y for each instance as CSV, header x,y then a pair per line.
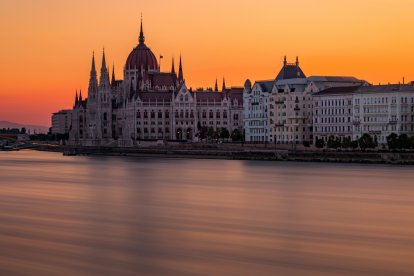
x,y
47,46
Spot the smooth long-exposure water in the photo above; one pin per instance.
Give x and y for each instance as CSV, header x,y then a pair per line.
x,y
130,216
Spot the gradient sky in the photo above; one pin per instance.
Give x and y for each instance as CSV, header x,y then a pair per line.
x,y
46,45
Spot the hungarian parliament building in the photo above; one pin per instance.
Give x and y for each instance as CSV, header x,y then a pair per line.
x,y
149,104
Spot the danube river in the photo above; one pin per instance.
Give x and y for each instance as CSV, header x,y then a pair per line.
x,y
129,216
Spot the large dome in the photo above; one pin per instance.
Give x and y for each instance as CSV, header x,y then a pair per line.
x,y
141,56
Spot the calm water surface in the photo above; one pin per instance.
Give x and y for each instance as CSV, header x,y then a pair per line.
x,y
129,216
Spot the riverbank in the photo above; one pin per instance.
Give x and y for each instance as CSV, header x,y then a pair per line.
x,y
239,152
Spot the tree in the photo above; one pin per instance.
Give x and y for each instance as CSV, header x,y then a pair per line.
x,y
333,142
237,135
224,133
354,144
320,143
203,132
403,141
392,141
210,132
346,143
366,142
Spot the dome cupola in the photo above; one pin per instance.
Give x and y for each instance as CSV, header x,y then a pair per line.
x,y
141,56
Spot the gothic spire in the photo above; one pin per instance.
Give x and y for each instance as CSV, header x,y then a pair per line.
x,y
172,67
76,98
180,72
80,96
216,86
224,85
103,67
93,69
104,79
297,61
284,61
113,75
141,34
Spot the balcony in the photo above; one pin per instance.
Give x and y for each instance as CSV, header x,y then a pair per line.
x,y
356,122
279,125
393,121
279,102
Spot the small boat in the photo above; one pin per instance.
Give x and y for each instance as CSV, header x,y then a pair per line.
x,y
69,153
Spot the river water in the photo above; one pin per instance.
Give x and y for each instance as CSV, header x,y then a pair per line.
x,y
130,216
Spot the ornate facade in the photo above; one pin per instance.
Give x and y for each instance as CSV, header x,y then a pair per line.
x,y
149,104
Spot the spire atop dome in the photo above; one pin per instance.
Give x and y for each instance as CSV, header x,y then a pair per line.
x,y
141,34
172,66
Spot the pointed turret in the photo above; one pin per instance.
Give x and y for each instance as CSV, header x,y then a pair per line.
x,y
141,34
284,61
180,72
93,81
297,61
113,75
172,67
76,99
104,79
216,86
80,96
224,85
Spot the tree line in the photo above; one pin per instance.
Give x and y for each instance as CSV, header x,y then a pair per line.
x,y
366,141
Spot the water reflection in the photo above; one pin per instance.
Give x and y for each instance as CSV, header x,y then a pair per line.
x,y
109,215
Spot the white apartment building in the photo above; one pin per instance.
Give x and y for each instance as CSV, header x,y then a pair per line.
x,y
255,111
61,121
380,110
333,113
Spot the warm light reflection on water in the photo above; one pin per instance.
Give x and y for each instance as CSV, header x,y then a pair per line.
x,y
128,216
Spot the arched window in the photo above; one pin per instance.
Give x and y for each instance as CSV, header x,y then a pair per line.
x,y
211,114
152,114
159,114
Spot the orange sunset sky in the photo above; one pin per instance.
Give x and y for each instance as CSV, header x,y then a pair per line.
x,y
46,45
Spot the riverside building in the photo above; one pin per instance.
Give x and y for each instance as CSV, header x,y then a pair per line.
x,y
61,121
149,104
378,110
280,111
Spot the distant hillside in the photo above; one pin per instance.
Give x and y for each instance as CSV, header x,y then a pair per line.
x,y
32,128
